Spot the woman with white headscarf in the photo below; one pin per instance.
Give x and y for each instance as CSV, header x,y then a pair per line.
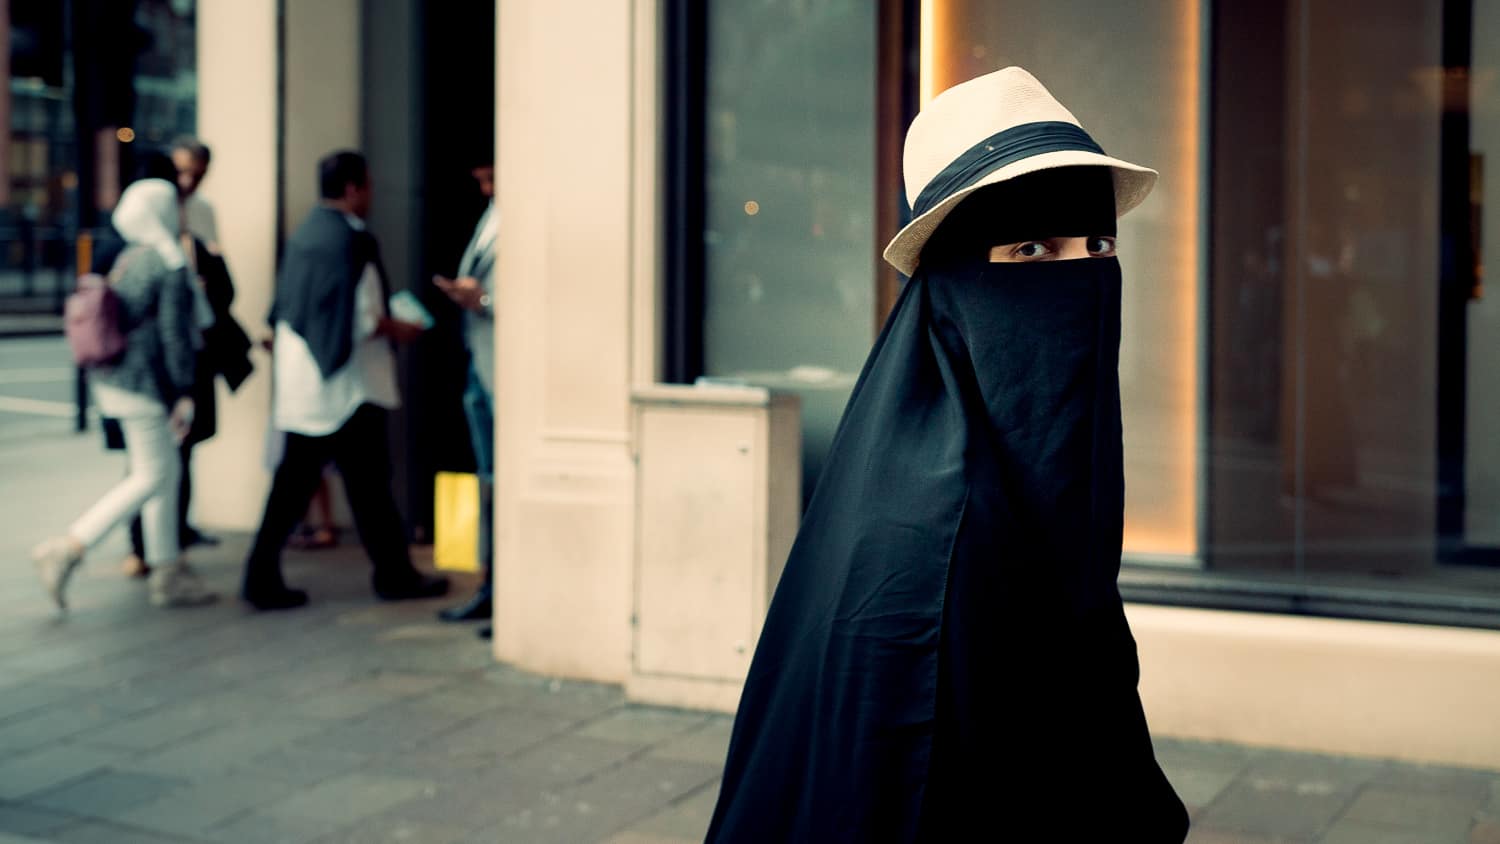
x,y
148,391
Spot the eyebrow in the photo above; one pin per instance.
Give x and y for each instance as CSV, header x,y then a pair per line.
x,y
1055,237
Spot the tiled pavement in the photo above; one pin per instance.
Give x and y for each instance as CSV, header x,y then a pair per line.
x,y
352,721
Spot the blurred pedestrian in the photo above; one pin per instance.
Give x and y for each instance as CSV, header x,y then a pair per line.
x,y
947,656
190,160
473,290
223,346
334,369
148,390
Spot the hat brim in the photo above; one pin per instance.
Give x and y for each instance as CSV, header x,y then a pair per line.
x,y
1132,183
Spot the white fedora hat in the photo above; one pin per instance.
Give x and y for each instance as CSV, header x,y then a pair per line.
x,y
987,130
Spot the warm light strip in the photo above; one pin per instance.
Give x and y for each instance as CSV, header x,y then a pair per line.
x,y
927,32
1174,533
1189,285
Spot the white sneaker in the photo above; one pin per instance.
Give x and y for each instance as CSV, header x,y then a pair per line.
x,y
56,560
177,585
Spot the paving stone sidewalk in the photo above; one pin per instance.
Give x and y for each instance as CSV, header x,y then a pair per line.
x,y
353,721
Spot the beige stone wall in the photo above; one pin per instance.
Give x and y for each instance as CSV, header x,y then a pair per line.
x,y
575,322
237,119
1405,691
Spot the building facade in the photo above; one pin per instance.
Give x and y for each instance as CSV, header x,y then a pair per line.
x,y
1309,517
702,189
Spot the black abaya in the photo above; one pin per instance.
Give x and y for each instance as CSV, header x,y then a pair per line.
x,y
947,649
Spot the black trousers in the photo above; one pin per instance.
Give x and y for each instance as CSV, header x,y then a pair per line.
x,y
361,452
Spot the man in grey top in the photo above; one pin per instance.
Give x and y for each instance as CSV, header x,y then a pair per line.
x,y
473,291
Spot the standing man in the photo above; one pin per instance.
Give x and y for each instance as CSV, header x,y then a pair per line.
x,y
473,291
334,380
190,157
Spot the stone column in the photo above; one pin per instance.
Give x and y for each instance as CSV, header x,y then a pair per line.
x,y
237,118
577,145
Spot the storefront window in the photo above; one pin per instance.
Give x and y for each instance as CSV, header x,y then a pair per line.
x,y
1353,343
789,228
86,83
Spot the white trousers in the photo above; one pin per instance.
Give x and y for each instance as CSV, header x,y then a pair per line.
x,y
150,487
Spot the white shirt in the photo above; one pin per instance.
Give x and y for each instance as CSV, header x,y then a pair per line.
x,y
307,403
479,261
198,222
198,219
480,246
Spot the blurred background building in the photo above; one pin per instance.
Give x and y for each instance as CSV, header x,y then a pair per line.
x,y
81,74
693,188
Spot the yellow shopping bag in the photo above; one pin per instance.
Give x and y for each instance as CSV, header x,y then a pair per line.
x,y
455,525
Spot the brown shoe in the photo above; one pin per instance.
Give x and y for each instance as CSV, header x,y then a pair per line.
x,y
135,567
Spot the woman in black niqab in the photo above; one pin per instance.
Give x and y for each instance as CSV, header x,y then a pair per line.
x,y
947,657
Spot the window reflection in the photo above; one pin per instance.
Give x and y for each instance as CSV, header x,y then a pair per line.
x,y
790,232
1352,394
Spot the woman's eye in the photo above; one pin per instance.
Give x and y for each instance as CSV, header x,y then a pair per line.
x,y
1032,249
1101,246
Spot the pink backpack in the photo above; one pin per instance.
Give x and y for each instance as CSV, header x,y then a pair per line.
x,y
93,322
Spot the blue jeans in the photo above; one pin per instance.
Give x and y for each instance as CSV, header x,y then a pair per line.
x,y
479,409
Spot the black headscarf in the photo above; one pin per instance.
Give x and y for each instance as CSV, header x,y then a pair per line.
x,y
320,272
947,649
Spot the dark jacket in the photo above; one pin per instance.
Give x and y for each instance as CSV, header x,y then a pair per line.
x,y
315,287
226,347
157,311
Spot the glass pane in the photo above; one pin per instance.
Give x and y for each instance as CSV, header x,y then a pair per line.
x,y
1352,347
1129,71
1365,270
1482,513
790,229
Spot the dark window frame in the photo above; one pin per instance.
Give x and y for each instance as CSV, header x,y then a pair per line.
x,y
684,190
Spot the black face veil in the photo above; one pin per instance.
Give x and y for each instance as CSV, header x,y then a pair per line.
x,y
947,647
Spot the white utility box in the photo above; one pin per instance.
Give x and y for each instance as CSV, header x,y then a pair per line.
x,y
718,500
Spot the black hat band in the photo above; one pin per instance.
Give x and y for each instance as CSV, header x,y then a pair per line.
x,y
998,150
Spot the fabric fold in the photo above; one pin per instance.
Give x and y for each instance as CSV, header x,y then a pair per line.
x,y
947,649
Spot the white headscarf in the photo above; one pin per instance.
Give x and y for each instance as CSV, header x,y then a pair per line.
x,y
149,214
